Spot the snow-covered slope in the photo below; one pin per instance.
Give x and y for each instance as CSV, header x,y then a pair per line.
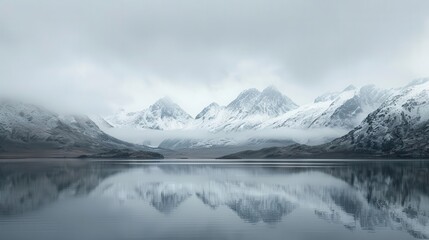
x,y
269,102
162,115
100,121
399,127
210,112
344,109
29,128
248,110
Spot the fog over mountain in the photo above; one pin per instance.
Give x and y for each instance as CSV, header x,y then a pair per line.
x,y
362,122
207,74
101,56
254,119
214,119
28,130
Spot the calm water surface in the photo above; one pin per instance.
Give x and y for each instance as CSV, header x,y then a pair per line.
x,y
73,199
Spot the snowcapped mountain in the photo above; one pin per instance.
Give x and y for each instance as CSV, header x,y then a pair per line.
x,y
398,128
344,109
210,112
272,102
248,110
164,114
395,123
270,110
26,128
269,102
253,109
244,101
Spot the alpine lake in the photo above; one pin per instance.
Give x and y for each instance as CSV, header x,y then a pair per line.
x,y
72,199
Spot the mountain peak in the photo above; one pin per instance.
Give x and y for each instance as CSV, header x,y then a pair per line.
x,y
245,100
164,114
249,92
165,107
270,88
269,102
329,96
211,109
165,101
272,102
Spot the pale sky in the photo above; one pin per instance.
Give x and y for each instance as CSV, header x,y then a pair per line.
x,y
98,56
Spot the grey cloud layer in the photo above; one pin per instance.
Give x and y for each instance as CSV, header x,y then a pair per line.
x,y
78,47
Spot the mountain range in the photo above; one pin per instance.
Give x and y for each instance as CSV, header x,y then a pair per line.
x,y
251,113
399,128
369,122
345,109
253,109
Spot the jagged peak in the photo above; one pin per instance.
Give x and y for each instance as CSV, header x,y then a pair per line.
x,y
245,98
211,106
250,91
167,105
164,101
371,89
271,89
329,96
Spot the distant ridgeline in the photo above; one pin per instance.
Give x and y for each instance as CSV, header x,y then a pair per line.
x,y
379,122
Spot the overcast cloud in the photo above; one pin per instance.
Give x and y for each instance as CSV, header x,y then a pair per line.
x,y
97,56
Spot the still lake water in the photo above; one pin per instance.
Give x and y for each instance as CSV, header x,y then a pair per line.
x,y
74,199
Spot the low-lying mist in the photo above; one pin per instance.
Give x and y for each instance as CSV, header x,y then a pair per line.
x,y
154,138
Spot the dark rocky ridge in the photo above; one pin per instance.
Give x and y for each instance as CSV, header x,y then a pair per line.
x,y
27,130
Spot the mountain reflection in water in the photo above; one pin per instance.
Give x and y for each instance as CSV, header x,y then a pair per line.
x,y
358,196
